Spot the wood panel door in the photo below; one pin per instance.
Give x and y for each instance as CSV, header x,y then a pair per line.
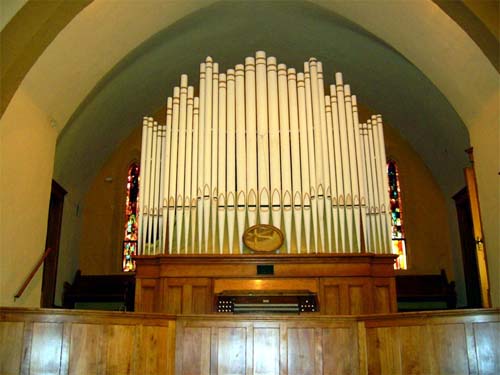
x,y
346,295
384,296
468,244
52,241
187,296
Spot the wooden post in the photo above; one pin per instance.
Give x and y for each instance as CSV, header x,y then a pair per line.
x,y
482,263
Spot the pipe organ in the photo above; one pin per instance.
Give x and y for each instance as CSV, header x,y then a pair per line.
x,y
263,143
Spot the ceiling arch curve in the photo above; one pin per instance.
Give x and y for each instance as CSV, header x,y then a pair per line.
x,y
446,98
117,63
122,38
141,81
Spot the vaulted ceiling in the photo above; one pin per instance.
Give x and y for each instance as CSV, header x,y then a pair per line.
x,y
115,62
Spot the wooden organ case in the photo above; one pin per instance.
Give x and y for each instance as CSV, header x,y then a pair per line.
x,y
342,284
264,145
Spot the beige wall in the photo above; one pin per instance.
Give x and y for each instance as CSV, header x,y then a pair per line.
x,y
27,140
426,217
425,211
104,211
485,138
70,238
458,68
425,214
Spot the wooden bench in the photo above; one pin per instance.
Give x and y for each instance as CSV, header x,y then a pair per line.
x,y
100,292
425,292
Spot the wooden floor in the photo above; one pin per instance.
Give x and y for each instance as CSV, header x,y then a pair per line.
x,y
35,341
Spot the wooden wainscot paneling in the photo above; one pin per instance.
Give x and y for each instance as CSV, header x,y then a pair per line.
x,y
187,295
287,345
46,341
433,343
410,343
39,341
147,295
310,284
46,348
487,351
346,295
347,284
384,290
11,346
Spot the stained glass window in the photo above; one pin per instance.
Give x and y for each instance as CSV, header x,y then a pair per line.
x,y
398,233
130,237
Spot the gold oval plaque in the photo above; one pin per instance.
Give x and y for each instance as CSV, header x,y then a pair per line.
x,y
263,237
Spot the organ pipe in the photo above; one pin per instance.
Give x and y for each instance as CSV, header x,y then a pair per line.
x,y
263,144
296,166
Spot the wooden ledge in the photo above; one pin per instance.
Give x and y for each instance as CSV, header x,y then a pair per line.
x,y
285,265
268,258
60,315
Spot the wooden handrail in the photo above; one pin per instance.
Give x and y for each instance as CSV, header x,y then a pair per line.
x,y
33,272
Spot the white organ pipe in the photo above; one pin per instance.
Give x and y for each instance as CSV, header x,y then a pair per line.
x,y
201,155
159,191
262,137
286,173
374,193
354,204
231,157
311,145
241,152
338,198
156,193
142,175
315,65
181,162
150,239
173,168
293,116
207,163
161,218
221,172
377,183
166,172
251,135
370,238
147,195
304,158
215,159
345,162
361,171
385,205
333,182
201,174
187,170
275,170
318,149
195,198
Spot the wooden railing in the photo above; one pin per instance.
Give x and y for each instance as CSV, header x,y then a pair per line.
x,y
84,342
33,272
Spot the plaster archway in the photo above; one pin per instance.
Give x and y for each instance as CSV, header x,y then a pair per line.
x,y
419,31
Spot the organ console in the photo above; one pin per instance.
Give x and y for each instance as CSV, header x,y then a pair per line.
x,y
263,144
293,301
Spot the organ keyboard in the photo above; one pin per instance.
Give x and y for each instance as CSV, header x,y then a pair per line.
x,y
268,301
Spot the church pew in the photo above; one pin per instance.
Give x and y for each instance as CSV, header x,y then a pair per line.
x,y
425,292
100,292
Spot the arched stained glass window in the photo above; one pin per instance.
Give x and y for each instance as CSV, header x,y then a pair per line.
x,y
130,236
398,233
